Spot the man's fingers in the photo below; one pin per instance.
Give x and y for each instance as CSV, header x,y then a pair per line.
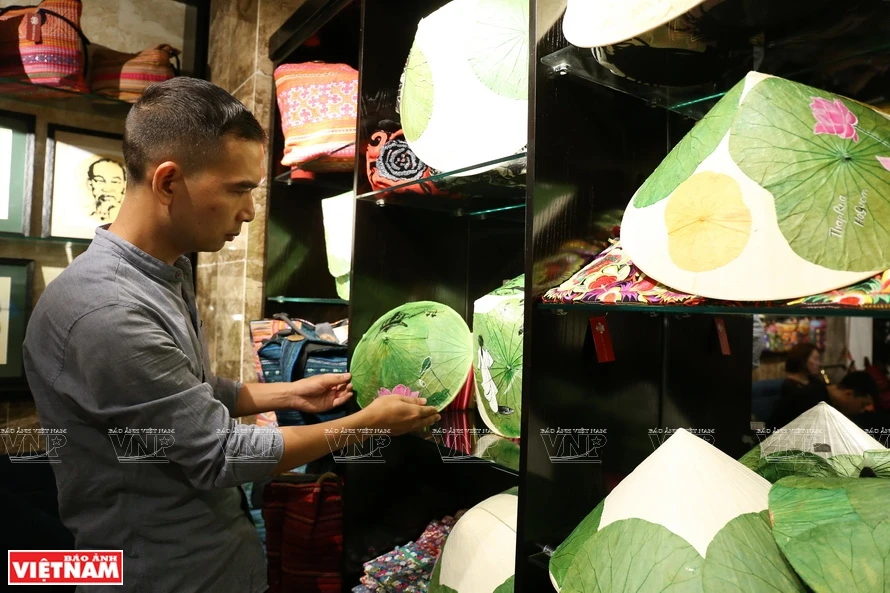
x,y
342,398
428,411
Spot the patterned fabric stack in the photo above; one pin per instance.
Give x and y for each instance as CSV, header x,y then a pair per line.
x,y
408,568
612,278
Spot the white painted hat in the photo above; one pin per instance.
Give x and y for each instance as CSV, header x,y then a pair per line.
x,y
464,91
595,23
480,552
778,193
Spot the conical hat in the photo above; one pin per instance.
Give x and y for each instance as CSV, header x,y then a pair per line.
x,y
595,23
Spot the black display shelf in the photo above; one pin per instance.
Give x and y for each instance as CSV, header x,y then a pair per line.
x,y
36,95
721,309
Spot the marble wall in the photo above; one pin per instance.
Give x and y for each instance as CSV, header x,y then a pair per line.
x,y
230,282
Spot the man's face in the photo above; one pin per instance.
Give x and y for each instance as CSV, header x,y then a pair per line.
x,y
218,196
107,184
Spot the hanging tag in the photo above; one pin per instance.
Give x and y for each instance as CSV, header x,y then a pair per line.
x,y
721,335
32,29
602,340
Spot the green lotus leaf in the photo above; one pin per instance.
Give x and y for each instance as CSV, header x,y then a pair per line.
x,y
497,46
689,153
416,101
831,191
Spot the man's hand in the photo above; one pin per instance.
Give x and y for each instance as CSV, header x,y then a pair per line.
x,y
319,393
400,414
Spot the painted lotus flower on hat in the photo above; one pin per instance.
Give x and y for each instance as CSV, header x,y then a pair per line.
x,y
398,390
776,171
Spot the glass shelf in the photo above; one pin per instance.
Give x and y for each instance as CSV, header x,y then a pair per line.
x,y
307,300
48,240
723,309
462,437
488,188
338,182
807,58
44,96
693,102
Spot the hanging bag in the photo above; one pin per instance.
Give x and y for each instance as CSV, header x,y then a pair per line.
x,y
303,514
43,45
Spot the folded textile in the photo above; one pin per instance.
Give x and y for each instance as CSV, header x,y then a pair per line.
x,y
612,278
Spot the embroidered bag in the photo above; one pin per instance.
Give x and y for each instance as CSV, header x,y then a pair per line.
x,y
319,109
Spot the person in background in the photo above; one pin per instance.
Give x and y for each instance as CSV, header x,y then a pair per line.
x,y
804,388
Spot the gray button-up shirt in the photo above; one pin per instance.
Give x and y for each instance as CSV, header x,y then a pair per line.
x,y
152,462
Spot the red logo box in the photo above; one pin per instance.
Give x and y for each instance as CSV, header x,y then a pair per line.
x,y
72,567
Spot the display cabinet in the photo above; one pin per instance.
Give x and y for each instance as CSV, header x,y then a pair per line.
x,y
597,133
297,279
604,381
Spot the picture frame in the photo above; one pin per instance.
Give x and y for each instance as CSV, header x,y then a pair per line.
x,y
17,133
84,181
16,290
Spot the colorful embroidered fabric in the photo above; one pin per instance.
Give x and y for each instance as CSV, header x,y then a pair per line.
x,y
390,163
408,568
319,108
873,293
43,45
612,278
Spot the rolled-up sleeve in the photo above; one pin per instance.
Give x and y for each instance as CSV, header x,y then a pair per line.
x,y
128,373
226,391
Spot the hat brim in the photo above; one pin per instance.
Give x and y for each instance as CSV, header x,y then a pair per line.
x,y
468,122
596,23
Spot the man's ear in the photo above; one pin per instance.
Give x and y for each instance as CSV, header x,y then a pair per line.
x,y
166,177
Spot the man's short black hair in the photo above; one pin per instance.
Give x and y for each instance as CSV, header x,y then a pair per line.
x,y
860,383
183,119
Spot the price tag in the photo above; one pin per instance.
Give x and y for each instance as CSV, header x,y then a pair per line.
x,y
32,30
602,339
721,335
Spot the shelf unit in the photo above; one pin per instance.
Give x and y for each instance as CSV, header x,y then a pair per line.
x,y
593,138
296,276
49,106
669,369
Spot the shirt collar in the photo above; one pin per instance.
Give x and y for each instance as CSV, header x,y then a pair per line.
x,y
142,260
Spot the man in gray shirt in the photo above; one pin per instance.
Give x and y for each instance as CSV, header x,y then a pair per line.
x,y
115,356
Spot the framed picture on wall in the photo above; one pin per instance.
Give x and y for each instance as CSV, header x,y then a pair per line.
x,y
84,182
16,281
16,172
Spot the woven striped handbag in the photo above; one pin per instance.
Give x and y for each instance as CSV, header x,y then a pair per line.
x,y
125,76
43,45
303,514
